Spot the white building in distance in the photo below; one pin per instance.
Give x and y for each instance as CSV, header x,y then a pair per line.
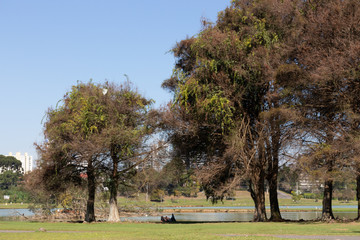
x,y
26,161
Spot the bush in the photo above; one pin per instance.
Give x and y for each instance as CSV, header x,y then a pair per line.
x,y
312,195
17,195
231,195
344,195
189,191
157,195
296,197
177,193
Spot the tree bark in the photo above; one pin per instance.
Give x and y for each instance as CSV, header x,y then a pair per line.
x,y
358,194
273,196
90,209
114,215
257,188
272,156
326,204
272,174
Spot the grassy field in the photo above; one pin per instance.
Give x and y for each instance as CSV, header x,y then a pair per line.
x,y
107,231
13,205
18,230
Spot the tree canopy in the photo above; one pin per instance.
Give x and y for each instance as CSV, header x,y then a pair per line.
x,y
11,172
98,130
265,75
9,163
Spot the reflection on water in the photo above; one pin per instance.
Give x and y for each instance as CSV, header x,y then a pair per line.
x,y
238,216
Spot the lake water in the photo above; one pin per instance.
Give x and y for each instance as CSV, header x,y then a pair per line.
x,y
15,212
216,216
236,216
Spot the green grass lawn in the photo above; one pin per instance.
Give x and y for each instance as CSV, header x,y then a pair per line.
x,y
245,230
171,231
13,205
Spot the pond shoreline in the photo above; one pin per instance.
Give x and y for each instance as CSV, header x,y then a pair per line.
x,y
303,208
225,210
190,216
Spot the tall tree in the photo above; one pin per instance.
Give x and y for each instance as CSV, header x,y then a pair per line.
x,y
10,163
222,83
96,130
11,171
70,148
326,50
129,124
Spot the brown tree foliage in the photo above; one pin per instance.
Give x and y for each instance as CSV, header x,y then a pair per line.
x,y
224,84
326,52
284,73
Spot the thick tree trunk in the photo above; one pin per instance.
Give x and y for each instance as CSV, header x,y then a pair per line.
x,y
326,204
114,215
90,209
273,167
273,196
358,194
257,190
272,175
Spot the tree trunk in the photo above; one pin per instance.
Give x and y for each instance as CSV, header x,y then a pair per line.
x,y
90,209
114,215
257,188
273,196
272,153
326,204
272,175
358,194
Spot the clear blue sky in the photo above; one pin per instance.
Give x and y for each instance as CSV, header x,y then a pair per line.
x,y
47,46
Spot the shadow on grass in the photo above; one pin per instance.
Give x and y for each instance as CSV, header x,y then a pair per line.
x,y
303,222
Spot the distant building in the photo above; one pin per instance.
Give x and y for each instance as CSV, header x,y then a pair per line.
x,y
26,161
307,184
